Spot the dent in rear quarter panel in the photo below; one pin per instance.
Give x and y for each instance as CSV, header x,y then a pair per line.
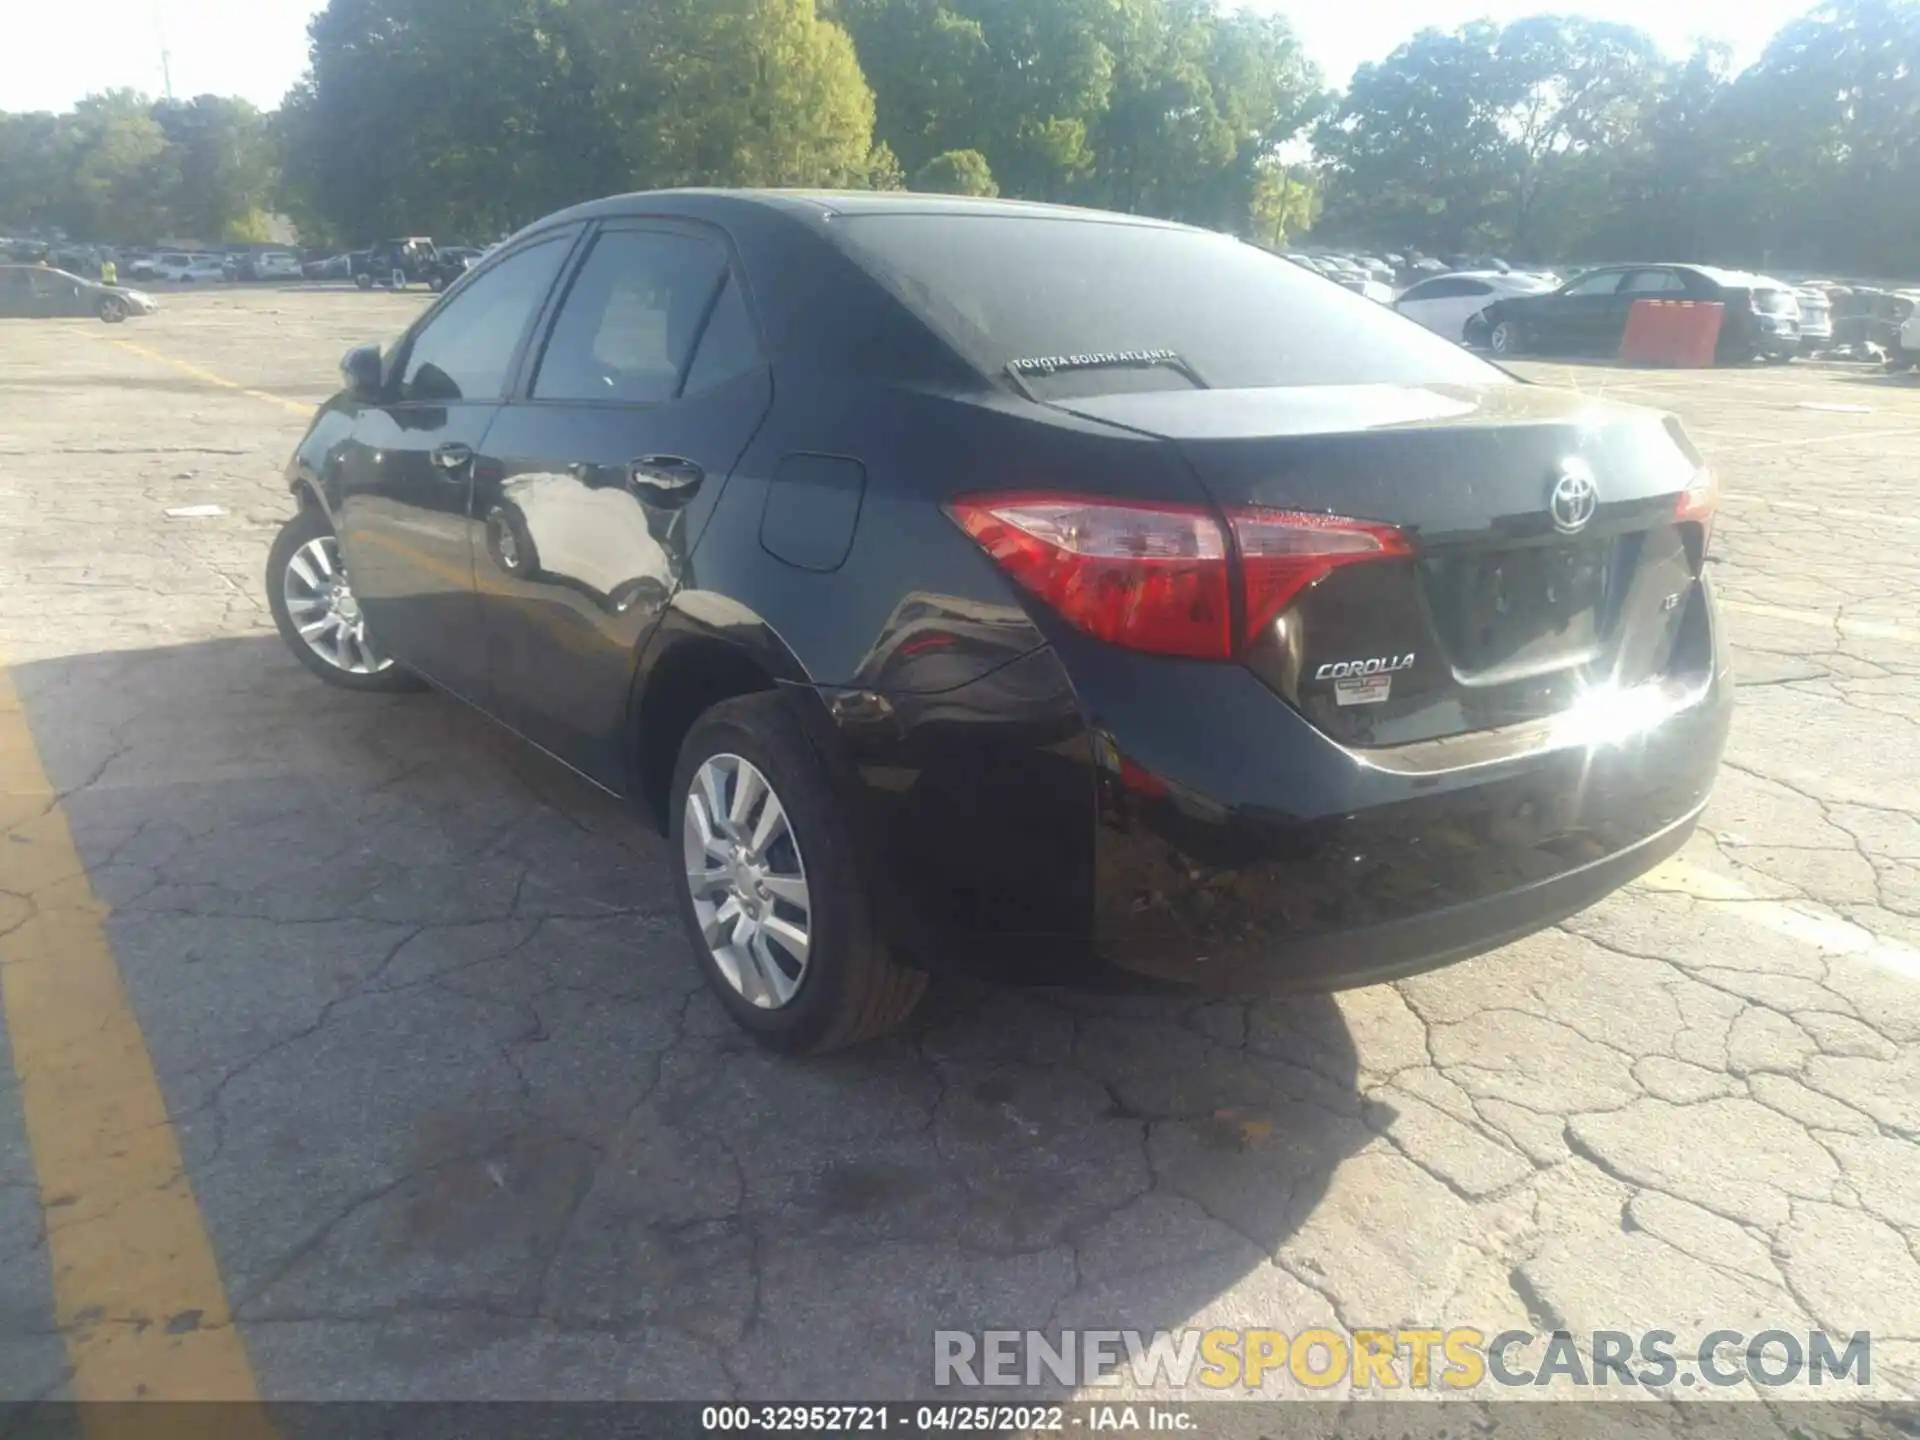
x,y
979,806
956,730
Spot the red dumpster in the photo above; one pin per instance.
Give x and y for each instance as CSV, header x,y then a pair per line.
x,y
1672,332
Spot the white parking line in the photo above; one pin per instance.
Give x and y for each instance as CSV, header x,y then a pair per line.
x,y
1804,507
1820,929
1825,620
1846,435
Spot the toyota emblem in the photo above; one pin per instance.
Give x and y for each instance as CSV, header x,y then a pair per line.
x,y
1575,497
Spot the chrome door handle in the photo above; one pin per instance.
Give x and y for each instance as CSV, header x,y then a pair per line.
x,y
453,458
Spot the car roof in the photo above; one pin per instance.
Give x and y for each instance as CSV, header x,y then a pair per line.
x,y
715,204
1734,279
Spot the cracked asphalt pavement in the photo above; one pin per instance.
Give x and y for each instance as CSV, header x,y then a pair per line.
x,y
461,1121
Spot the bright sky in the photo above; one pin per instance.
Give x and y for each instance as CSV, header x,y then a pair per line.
x,y
257,48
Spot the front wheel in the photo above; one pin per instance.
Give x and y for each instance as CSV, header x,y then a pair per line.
x,y
1506,339
113,309
315,611
1473,334
363,280
772,888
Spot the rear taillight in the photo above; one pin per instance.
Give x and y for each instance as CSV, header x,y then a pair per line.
x,y
1157,577
1700,499
1149,577
1695,507
1282,552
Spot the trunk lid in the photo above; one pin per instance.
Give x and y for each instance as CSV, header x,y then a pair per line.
x,y
1502,615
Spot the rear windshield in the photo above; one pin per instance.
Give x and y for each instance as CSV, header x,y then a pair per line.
x,y
1007,291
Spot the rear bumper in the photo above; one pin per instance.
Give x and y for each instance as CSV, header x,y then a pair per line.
x,y
1160,821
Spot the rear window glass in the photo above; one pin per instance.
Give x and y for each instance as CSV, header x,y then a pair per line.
x,y
1009,290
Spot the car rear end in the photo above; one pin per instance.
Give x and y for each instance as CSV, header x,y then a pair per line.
x,y
1395,660
1906,349
1816,319
1762,319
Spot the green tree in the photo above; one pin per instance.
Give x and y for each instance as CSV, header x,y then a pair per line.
x,y
734,92
1283,205
221,166
117,170
33,182
957,172
884,171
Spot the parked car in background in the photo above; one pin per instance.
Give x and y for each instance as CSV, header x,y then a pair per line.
x,y
75,259
1449,304
1377,291
39,292
185,268
1904,352
1816,318
1588,315
329,267
1888,314
268,265
1093,635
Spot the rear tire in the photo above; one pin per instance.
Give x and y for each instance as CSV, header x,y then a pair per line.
x,y
1474,333
847,987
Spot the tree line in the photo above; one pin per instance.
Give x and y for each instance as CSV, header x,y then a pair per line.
x,y
120,166
1553,137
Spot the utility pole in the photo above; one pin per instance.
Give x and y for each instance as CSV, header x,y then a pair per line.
x,y
166,60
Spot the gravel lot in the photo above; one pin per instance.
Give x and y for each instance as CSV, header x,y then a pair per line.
x,y
460,1121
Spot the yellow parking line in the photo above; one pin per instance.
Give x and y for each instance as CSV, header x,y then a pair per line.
x,y
295,406
136,1289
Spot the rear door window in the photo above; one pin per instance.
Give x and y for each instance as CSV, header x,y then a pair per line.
x,y
1019,292
1605,283
1653,282
628,325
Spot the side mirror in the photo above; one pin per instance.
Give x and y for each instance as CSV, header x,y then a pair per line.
x,y
361,369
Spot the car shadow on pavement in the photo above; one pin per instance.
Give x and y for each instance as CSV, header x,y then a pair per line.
x,y
464,1121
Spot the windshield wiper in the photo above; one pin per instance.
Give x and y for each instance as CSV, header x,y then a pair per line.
x,y
1023,371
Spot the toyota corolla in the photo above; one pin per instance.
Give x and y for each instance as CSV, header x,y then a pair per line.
x,y
1064,596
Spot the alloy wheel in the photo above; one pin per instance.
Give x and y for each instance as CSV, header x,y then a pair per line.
x,y
748,880
323,609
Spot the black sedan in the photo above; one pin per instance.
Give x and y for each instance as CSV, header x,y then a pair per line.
x,y
1065,596
1588,315
39,292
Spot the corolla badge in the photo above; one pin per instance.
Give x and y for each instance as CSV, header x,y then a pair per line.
x,y
1575,496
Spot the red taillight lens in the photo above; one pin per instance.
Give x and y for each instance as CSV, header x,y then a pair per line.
x,y
1155,577
1149,577
1282,552
1696,506
1700,499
